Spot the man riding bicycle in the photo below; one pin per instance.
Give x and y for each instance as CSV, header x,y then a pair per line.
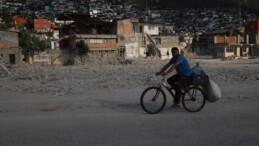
x,y
184,72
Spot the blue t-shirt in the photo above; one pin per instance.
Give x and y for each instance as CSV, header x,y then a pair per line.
x,y
184,67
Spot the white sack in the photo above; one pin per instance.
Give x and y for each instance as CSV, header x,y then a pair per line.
x,y
212,91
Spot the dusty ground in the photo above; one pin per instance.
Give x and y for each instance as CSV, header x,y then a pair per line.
x,y
236,78
99,105
72,79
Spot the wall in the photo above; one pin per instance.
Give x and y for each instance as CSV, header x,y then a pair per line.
x,y
231,39
127,28
132,50
165,53
252,27
256,50
108,44
219,51
9,45
54,57
227,54
151,29
5,52
219,39
11,37
99,57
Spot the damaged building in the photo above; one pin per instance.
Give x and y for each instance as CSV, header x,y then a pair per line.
x,y
252,30
232,47
10,53
138,39
99,36
228,43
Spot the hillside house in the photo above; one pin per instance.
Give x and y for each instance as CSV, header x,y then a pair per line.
x,y
42,25
231,47
133,41
252,30
19,20
99,36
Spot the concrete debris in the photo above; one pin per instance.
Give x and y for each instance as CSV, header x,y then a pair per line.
x,y
65,80
4,71
127,62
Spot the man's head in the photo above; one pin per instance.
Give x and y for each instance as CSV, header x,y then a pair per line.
x,y
175,51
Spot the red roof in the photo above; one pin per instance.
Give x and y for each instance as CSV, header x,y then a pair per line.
x,y
7,45
19,20
41,23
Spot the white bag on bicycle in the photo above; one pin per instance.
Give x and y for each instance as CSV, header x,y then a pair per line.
x,y
212,91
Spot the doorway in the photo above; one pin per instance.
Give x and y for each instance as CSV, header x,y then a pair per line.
x,y
12,58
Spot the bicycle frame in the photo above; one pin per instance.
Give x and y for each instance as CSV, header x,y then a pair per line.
x,y
169,89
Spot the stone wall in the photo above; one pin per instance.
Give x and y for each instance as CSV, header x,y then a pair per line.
x,y
9,53
99,57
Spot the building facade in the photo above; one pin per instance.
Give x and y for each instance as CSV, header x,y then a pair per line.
x,y
9,48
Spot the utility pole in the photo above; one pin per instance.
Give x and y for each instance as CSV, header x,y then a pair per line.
x,y
239,14
146,10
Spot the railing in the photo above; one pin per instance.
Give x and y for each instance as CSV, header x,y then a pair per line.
x,y
101,36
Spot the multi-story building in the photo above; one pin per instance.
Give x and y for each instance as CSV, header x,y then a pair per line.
x,y
252,30
99,36
42,25
141,39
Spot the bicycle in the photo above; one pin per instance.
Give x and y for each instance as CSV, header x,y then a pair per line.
x,y
153,99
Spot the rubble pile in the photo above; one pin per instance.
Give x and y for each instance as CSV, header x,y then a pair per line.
x,y
4,72
58,81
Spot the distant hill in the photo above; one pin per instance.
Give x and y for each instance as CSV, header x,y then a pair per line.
x,y
250,5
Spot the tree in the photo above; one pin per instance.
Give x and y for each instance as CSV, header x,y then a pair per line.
x,y
181,39
30,45
29,22
82,48
6,19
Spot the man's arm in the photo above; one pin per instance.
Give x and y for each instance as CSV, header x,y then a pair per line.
x,y
171,69
163,69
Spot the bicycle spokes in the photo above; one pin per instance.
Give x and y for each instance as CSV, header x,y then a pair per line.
x,y
155,97
194,100
153,100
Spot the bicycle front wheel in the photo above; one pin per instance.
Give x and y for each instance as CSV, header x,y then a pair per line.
x,y
193,100
153,100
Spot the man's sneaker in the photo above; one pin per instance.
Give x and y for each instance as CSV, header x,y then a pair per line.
x,y
175,105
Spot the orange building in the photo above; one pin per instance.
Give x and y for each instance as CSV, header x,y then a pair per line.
x,y
41,25
19,20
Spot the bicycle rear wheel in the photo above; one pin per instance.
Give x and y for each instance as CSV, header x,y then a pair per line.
x,y
153,100
193,100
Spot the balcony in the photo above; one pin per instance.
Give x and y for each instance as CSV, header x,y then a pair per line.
x,y
97,36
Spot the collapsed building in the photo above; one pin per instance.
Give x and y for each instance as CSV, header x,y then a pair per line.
x,y
99,36
10,53
232,47
141,39
229,43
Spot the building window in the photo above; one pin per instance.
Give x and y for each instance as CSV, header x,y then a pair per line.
x,y
87,40
45,25
230,49
105,40
36,20
45,20
38,25
158,41
134,28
